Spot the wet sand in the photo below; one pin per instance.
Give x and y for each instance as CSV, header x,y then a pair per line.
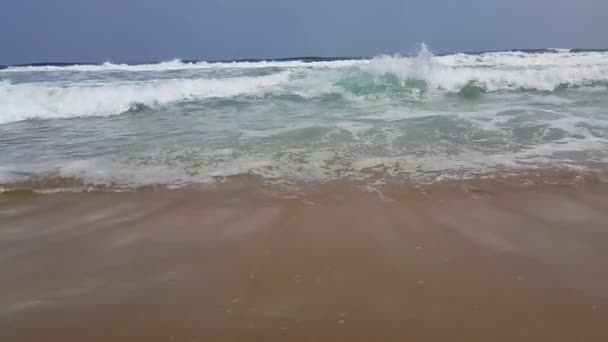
x,y
482,261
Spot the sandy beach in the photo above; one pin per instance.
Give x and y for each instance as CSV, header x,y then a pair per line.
x,y
455,261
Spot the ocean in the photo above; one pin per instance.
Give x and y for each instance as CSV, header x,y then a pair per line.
x,y
420,118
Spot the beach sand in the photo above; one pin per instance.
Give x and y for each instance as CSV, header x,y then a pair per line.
x,y
455,261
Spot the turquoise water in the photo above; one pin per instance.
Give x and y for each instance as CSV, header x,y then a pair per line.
x,y
390,118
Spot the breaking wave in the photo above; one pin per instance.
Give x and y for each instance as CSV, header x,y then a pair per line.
x,y
25,101
413,78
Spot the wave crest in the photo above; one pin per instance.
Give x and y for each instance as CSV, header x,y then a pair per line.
x,y
33,100
444,74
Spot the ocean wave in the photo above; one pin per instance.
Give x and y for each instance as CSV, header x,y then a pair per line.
x,y
442,73
30,100
383,77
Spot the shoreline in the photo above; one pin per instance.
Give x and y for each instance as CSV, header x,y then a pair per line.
x,y
480,260
376,182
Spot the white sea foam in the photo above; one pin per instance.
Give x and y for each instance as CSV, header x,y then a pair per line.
x,y
316,166
545,71
523,59
32,100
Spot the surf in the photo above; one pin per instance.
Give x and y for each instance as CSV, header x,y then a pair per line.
x,y
113,89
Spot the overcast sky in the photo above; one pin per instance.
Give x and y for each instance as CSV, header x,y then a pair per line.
x,y
150,30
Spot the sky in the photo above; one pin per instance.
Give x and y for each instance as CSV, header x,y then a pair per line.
x,y
153,30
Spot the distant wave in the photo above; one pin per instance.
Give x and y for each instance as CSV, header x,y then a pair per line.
x,y
328,62
178,64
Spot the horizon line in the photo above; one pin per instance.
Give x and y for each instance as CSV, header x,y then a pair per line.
x,y
297,58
